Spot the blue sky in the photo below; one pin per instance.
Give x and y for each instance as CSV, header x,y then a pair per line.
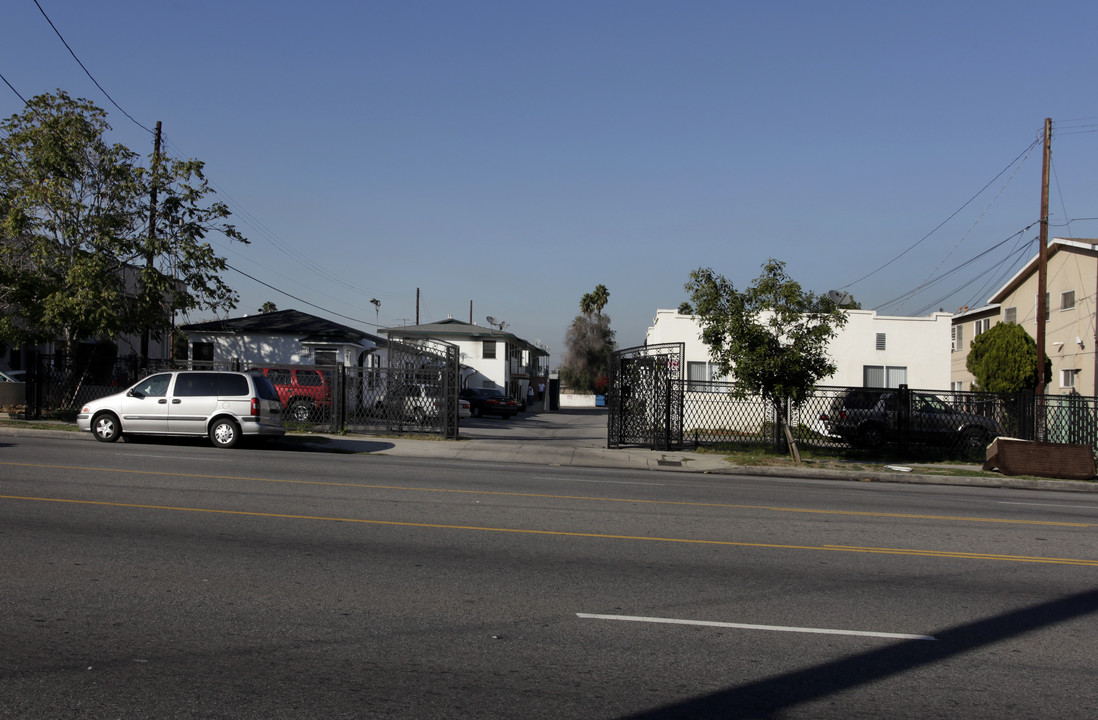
x,y
516,154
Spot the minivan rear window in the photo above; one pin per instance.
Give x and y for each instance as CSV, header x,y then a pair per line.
x,y
231,385
264,388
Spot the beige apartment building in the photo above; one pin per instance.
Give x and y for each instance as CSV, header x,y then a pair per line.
x,y
1071,334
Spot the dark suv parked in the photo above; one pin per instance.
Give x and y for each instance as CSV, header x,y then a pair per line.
x,y
306,393
869,417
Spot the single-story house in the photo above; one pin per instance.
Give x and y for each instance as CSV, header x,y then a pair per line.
x,y
283,336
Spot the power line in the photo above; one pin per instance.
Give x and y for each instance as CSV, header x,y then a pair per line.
x,y
283,292
1021,156
86,72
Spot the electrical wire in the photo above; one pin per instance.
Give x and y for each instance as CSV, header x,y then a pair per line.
x,y
1021,157
86,71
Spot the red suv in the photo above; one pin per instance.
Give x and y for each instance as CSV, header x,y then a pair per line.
x,y
306,394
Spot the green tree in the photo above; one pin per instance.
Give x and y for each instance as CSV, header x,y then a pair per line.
x,y
589,345
773,337
268,307
599,298
76,254
1004,359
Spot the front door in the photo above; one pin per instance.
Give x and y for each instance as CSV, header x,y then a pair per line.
x,y
145,407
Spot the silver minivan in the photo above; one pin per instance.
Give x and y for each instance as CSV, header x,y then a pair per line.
x,y
223,406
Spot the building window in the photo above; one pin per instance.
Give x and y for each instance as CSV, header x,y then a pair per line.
x,y
1067,300
879,376
958,338
1010,315
982,326
1067,378
957,386
701,377
324,356
489,350
880,341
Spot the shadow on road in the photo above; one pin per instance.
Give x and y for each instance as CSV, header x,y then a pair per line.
x,y
769,698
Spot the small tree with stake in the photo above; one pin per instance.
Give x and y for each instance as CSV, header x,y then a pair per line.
x,y
773,337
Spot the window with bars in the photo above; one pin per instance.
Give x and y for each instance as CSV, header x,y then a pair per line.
x,y
1010,315
489,352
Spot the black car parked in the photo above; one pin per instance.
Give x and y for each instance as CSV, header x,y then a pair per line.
x,y
489,401
869,417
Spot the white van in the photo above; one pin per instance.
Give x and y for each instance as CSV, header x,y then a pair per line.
x,y
223,406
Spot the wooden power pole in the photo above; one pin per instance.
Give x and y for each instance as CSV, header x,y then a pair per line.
x,y
152,234
1042,263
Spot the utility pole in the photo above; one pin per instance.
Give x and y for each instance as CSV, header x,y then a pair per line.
x,y
152,234
417,306
1042,263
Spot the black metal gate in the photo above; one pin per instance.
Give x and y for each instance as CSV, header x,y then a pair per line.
x,y
645,403
419,390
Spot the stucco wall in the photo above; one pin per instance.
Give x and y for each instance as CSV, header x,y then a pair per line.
x,y
921,344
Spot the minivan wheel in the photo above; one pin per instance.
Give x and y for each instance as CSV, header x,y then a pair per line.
x,y
224,433
106,427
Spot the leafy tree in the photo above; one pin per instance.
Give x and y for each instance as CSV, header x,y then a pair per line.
x,y
589,345
268,307
76,254
685,309
67,199
773,337
1004,359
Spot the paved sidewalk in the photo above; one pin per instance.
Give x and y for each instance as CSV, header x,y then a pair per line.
x,y
577,438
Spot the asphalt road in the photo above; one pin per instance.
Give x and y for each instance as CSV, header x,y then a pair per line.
x,y
174,580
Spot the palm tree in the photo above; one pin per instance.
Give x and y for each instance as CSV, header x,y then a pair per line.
x,y
600,297
587,304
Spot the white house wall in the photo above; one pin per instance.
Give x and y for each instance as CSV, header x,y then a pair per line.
x,y
268,349
919,344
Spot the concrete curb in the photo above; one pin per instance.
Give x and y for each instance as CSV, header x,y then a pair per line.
x,y
534,453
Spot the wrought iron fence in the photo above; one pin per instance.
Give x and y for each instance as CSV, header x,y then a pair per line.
x,y
857,421
644,406
420,396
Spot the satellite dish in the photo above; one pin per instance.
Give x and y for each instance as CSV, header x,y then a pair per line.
x,y
838,297
491,320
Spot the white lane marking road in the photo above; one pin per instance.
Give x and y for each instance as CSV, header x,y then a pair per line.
x,y
745,626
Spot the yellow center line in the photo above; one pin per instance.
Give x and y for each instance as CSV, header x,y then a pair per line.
x,y
562,533
547,496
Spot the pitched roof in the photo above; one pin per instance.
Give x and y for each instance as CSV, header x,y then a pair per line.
x,y
1078,245
451,328
287,322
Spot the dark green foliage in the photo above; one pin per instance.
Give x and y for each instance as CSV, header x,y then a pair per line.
x,y
773,337
76,259
1004,359
589,345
